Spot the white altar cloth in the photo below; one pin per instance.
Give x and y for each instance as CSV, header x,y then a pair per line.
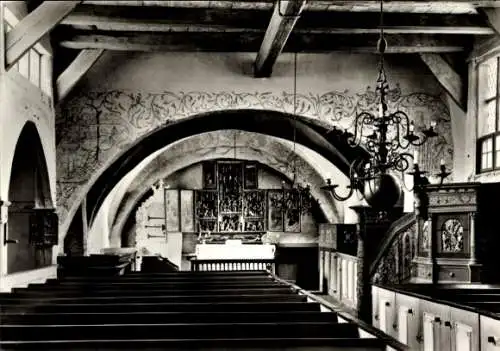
x,y
235,251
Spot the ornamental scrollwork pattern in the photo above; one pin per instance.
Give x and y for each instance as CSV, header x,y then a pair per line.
x,y
94,127
396,266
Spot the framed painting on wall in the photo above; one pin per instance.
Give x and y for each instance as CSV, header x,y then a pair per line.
x,y
292,211
250,174
209,175
187,210
275,213
172,210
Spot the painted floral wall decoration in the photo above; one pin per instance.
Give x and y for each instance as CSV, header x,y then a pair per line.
x,y
94,127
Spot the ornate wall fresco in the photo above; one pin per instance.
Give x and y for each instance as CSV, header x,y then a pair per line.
x,y
93,128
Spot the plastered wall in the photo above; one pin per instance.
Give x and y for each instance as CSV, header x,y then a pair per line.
x,y
128,95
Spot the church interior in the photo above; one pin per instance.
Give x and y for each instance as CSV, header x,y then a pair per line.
x,y
250,175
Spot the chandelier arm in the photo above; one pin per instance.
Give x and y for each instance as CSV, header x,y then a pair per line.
x,y
401,162
359,120
404,183
422,141
352,179
403,121
341,198
396,142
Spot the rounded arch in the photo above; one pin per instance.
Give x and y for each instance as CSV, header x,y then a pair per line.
x,y
328,209
273,152
331,144
29,189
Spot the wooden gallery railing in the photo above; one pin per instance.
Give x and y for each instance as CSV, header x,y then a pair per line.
x,y
393,263
232,265
339,264
339,272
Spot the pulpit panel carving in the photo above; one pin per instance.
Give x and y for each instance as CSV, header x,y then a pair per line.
x,y
452,236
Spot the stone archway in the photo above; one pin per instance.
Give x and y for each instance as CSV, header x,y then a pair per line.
x,y
272,152
29,191
330,144
103,134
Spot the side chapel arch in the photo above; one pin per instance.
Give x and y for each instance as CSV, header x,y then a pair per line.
x,y
29,191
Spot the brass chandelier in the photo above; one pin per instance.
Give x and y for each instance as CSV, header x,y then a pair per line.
x,y
386,136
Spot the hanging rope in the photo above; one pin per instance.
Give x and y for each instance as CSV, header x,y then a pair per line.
x,y
294,116
234,145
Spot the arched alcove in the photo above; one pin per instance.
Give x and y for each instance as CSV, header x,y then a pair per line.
x,y
29,191
331,144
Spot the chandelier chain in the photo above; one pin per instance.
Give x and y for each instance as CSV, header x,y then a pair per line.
x,y
385,135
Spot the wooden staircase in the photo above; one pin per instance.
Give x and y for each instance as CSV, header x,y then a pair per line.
x,y
172,311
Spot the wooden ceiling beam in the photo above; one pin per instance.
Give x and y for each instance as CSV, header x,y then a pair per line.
x,y
86,15
418,6
492,15
251,42
283,19
147,19
449,79
33,27
76,70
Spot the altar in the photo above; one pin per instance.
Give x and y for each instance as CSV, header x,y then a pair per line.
x,y
235,250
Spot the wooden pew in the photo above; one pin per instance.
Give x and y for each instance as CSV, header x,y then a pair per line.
x,y
172,311
57,300
141,291
167,317
289,343
95,265
133,279
150,286
180,330
165,307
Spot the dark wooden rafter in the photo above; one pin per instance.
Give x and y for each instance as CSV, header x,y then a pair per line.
x,y
449,79
283,19
251,42
33,27
76,70
420,6
162,19
492,16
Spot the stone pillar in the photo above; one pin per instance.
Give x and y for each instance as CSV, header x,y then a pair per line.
x,y
473,259
373,224
474,265
4,215
85,228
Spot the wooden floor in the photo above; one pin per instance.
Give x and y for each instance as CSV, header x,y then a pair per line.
x,y
171,311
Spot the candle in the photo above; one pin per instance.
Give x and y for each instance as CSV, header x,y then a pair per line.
x,y
433,124
441,162
380,110
415,157
412,127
